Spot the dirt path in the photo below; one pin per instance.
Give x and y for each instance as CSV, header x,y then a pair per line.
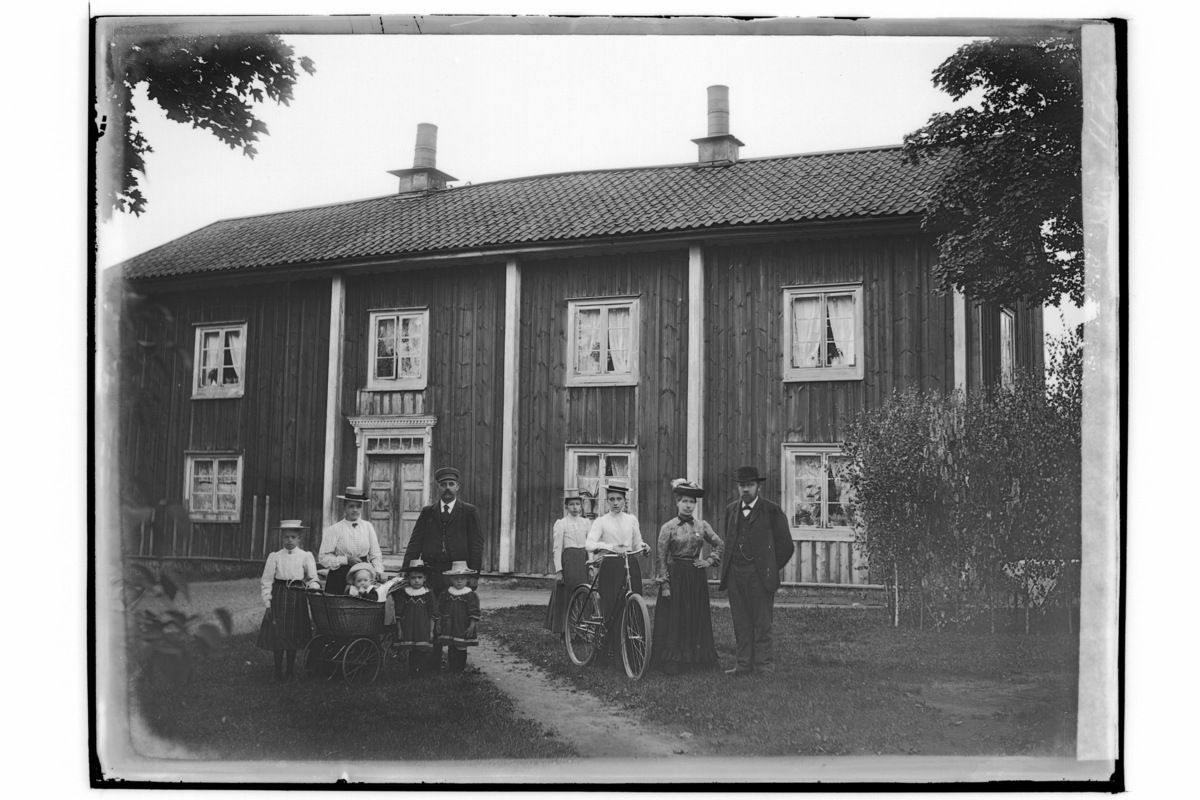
x,y
594,728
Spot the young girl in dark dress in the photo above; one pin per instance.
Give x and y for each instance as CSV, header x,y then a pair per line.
x,y
459,610
683,637
416,616
286,627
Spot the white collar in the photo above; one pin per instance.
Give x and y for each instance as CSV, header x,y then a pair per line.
x,y
451,504
458,592
411,592
752,503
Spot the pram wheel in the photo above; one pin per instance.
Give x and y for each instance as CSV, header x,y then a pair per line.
x,y
318,659
360,663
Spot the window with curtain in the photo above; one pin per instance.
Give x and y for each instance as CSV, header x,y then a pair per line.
x,y
602,343
590,468
219,360
817,497
213,487
823,333
399,349
1008,346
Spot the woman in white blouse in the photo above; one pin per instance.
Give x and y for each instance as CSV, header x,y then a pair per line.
x,y
616,532
570,558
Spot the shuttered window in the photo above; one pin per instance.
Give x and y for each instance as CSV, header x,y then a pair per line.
x,y
219,361
399,351
213,487
1008,346
823,333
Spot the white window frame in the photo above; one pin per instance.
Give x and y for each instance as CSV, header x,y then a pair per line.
x,y
854,372
602,450
603,304
1007,376
398,384
820,533
190,459
200,392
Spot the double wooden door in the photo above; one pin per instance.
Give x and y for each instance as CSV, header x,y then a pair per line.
x,y
397,488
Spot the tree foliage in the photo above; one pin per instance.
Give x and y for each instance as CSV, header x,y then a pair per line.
x,y
961,499
209,81
1008,208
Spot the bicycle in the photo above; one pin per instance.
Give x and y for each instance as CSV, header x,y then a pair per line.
x,y
587,630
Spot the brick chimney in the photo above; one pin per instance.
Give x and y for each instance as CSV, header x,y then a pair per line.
x,y
424,175
719,147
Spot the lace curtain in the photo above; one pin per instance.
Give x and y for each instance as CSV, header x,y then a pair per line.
x,y
841,323
587,342
236,362
806,332
618,338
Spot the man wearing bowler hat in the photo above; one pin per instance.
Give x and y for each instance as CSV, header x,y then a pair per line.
x,y
445,532
349,541
758,543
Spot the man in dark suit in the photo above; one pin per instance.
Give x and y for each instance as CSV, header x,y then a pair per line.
x,y
758,542
445,532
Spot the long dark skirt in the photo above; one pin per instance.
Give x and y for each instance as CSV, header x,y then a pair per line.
x,y
683,622
288,627
574,569
335,580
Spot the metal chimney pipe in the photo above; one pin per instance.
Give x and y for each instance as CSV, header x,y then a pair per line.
x,y
718,110
426,151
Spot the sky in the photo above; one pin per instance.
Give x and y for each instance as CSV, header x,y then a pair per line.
x,y
511,106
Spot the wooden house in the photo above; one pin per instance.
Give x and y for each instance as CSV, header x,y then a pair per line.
x,y
550,331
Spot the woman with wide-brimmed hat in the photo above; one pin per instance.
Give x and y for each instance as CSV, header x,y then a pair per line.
x,y
570,558
683,637
349,541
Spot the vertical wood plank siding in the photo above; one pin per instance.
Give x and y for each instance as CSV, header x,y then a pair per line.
x,y
750,411
650,416
464,390
277,423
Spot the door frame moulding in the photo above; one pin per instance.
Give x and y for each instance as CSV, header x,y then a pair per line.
x,y
394,425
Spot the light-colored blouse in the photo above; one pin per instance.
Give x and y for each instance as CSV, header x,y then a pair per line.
x,y
614,530
684,541
344,538
287,565
569,532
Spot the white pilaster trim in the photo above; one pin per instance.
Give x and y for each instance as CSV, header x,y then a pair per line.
x,y
960,342
695,382
333,395
508,435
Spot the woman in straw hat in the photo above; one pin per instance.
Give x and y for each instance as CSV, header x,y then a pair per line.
x,y
285,627
683,637
570,558
616,532
349,541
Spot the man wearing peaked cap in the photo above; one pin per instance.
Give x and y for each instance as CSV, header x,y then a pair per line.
x,y
349,541
445,532
758,543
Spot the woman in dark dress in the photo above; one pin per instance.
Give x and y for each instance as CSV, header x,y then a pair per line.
x,y
570,559
683,637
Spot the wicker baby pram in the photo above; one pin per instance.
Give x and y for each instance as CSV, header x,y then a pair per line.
x,y
351,637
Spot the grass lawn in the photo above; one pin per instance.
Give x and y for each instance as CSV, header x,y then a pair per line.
x,y
230,710
847,683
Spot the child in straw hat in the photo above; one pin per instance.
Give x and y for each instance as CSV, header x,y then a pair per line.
x,y
285,627
459,610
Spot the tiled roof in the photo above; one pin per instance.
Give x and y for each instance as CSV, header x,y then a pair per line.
x,y
568,207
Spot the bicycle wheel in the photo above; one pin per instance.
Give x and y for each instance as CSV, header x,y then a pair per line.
x,y
360,664
583,626
635,636
316,661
